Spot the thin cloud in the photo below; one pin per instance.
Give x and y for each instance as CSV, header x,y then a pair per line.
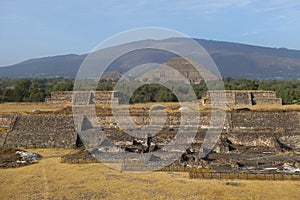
x,y
280,9
251,33
194,5
12,19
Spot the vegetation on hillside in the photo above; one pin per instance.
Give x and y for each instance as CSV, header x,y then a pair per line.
x,y
36,90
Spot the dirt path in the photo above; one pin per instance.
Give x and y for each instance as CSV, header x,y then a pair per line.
x,y
50,179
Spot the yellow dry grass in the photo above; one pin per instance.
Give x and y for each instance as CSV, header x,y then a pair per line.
x,y
25,108
50,179
293,107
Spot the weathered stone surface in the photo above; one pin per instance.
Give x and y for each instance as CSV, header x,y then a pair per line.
x,y
246,128
241,98
40,131
7,121
83,98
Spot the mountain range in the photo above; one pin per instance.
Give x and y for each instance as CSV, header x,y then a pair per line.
x,y
233,59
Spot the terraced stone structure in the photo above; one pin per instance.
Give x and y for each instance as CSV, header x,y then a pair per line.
x,y
181,68
242,97
242,128
38,131
248,138
98,97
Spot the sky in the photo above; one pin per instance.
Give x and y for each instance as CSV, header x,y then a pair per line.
x,y
39,28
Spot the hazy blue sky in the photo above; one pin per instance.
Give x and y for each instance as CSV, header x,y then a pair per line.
x,y
36,28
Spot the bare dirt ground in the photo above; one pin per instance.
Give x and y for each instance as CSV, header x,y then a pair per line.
x,y
50,179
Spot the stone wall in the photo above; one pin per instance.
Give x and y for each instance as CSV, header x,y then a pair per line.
x,y
241,98
83,97
6,124
240,127
265,120
265,128
41,131
7,121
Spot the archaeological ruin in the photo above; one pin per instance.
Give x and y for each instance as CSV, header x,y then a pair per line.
x,y
241,97
98,97
179,69
244,128
248,139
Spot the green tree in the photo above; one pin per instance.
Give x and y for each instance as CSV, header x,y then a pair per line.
x,y
21,90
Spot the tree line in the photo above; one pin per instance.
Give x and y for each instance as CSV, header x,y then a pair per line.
x,y
32,90
36,90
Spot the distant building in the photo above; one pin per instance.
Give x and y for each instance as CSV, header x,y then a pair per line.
x,y
181,69
241,97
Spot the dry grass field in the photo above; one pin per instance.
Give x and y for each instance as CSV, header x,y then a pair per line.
x,y
50,179
27,108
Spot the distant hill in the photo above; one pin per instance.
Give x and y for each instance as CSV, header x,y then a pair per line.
x,y
240,60
232,59
63,65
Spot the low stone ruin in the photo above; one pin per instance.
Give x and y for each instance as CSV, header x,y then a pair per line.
x,y
10,158
86,97
241,98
